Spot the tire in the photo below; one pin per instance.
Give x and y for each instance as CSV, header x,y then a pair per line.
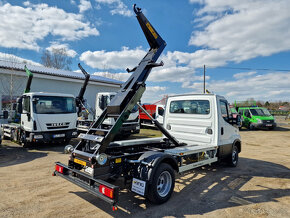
x,y
250,126
23,141
234,158
162,185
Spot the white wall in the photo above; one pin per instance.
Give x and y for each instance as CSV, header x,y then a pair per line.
x,y
47,83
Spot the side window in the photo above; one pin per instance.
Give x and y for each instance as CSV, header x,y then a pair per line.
x,y
26,104
224,110
241,112
247,113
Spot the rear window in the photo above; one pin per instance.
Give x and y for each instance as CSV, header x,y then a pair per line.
x,y
190,107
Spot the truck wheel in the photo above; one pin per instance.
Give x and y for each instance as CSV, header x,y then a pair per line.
x,y
162,185
234,158
23,141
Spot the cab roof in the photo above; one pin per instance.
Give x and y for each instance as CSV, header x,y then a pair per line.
x,y
48,94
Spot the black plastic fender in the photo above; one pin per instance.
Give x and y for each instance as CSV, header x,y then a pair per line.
x,y
150,161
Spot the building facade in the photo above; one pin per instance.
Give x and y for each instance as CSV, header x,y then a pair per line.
x,y
13,80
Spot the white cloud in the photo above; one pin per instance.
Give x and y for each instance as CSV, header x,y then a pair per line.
x,y
126,58
23,27
117,76
85,5
244,74
70,52
153,94
118,7
270,86
156,88
16,59
242,30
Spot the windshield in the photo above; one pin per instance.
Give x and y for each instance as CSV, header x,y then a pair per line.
x,y
53,105
190,107
260,112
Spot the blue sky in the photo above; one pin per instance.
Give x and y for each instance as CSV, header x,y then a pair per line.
x,y
233,38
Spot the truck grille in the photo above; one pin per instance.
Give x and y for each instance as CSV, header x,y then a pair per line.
x,y
57,125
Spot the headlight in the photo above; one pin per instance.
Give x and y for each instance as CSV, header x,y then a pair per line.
x,y
259,121
38,136
101,158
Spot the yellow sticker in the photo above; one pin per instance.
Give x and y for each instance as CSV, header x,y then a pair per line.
x,y
151,30
80,162
118,160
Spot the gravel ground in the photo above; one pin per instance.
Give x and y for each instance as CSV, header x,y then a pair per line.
x,y
258,187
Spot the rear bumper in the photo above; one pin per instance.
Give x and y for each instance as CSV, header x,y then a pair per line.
x,y
88,183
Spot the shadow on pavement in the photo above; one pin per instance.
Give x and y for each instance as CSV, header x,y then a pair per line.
x,y
12,155
204,190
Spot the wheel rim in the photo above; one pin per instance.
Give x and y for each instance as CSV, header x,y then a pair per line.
x,y
234,156
164,183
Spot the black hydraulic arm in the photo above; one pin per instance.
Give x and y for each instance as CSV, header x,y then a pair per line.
x,y
130,93
80,97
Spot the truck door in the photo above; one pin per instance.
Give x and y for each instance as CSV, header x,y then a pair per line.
x,y
247,117
225,129
26,118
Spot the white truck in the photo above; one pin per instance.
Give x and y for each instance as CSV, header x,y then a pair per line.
x,y
44,117
197,131
130,126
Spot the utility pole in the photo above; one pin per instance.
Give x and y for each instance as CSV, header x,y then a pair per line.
x,y
204,79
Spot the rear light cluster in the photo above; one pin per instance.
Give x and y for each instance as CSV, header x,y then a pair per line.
x,y
106,191
59,169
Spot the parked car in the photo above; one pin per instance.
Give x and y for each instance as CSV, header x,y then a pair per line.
x,y
257,117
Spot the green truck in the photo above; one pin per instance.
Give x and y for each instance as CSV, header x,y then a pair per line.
x,y
256,117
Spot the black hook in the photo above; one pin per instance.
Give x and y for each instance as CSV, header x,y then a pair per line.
x,y
136,9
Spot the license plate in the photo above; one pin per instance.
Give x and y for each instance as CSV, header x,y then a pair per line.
x,y
89,170
80,162
138,186
268,124
58,135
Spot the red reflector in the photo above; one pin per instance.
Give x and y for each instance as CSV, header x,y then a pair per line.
x,y
59,169
106,191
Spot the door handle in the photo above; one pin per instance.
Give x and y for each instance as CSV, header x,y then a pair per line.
x,y
222,130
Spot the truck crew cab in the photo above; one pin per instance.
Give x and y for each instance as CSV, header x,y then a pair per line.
x,y
197,130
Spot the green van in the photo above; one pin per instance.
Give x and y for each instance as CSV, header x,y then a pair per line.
x,y
256,117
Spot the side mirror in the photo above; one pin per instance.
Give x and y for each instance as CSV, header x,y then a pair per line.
x,y
5,114
161,111
19,105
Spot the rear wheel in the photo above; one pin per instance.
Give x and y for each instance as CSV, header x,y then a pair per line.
x,y
234,158
162,185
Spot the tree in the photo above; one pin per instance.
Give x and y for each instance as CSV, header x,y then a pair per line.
x,y
56,58
11,85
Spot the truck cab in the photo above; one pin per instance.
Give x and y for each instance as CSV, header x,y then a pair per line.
x,y
130,126
202,119
47,117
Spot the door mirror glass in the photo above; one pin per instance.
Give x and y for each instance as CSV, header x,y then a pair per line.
x,y
160,111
